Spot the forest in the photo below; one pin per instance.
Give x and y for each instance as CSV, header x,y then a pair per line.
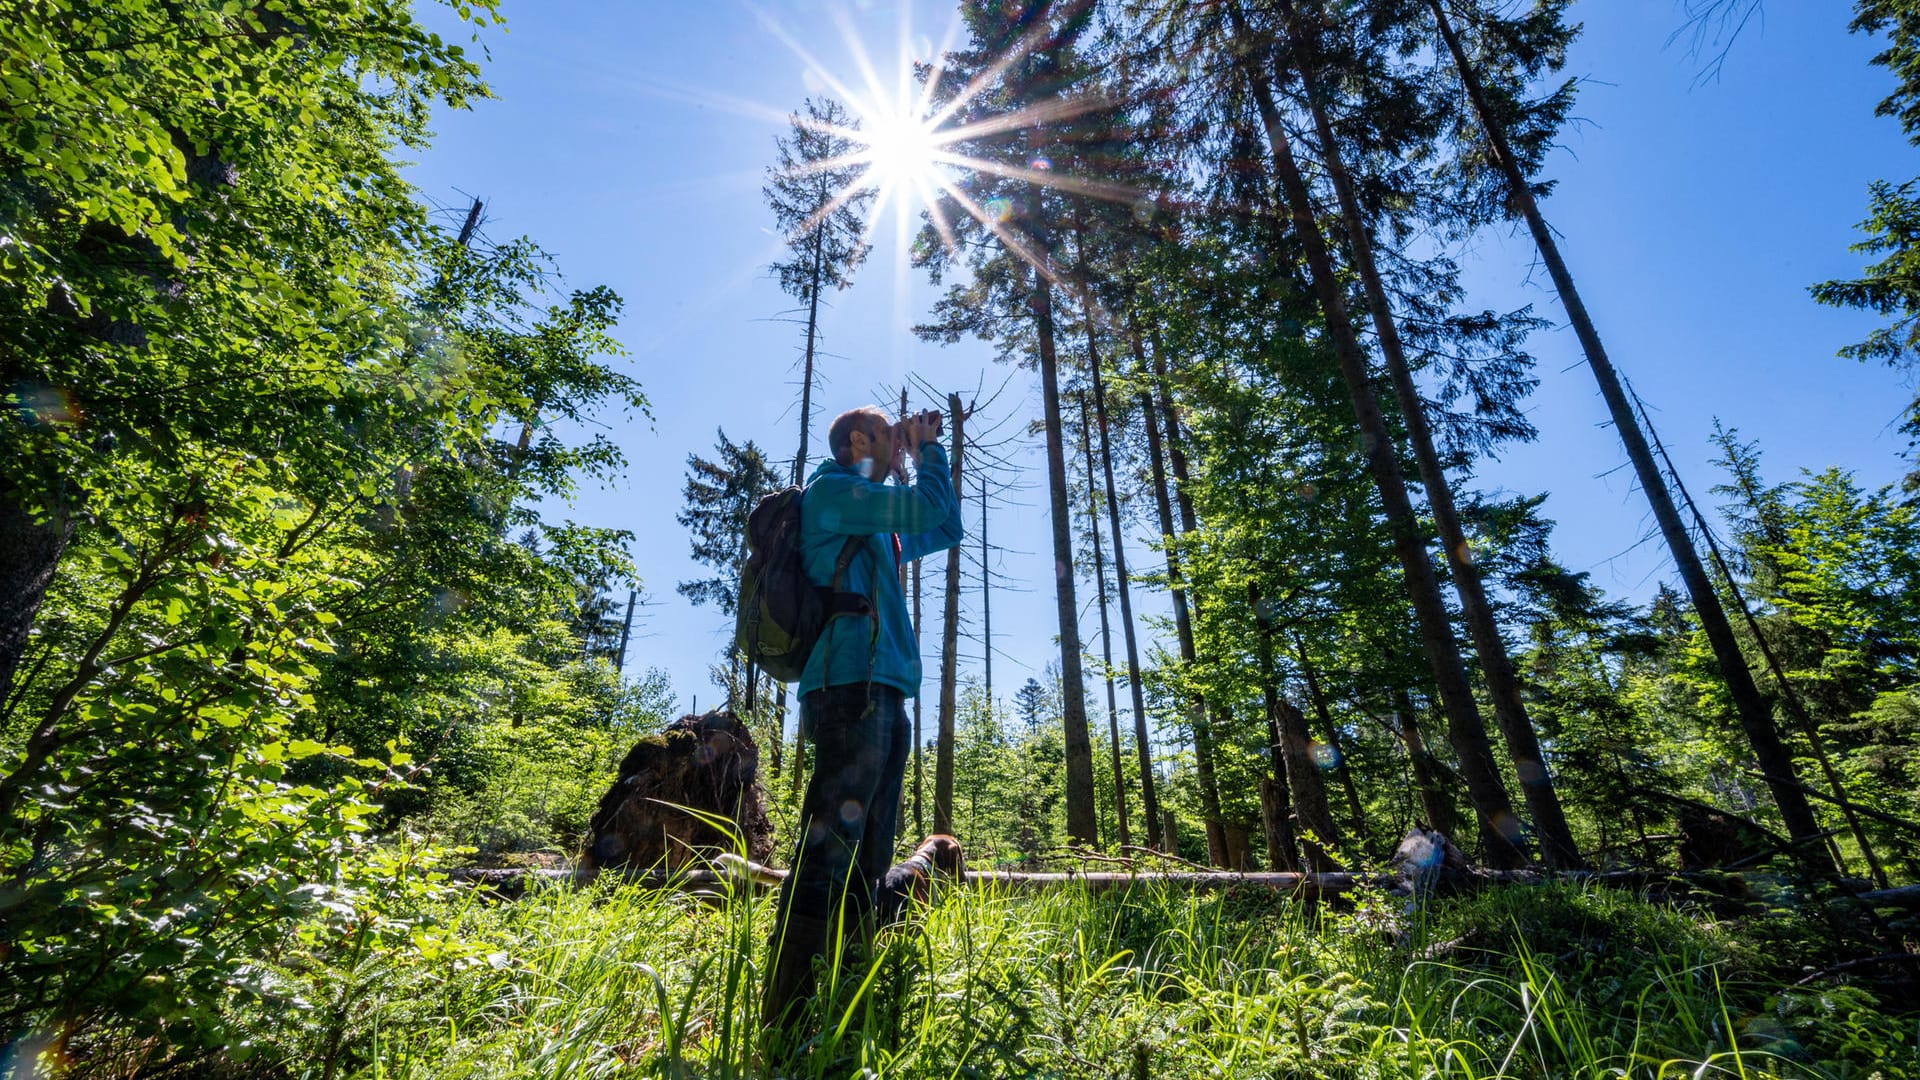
x,y
302,632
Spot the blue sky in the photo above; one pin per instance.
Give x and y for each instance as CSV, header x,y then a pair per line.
x,y
630,139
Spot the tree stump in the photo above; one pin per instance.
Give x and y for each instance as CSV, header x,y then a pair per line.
x,y
675,792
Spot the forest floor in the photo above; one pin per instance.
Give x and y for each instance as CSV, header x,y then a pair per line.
x,y
1150,982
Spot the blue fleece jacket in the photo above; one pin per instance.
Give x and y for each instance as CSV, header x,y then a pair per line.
x,y
839,503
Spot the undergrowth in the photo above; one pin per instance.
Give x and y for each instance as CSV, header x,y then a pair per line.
x,y
622,981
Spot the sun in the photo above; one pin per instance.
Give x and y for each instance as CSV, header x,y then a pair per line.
x,y
907,146
899,148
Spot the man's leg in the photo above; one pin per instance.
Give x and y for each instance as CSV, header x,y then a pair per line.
x,y
825,884
883,819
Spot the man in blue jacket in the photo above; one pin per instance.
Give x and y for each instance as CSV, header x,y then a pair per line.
x,y
854,689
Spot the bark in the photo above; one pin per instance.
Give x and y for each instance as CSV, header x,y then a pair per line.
x,y
1756,719
1426,779
1498,825
1149,798
1082,824
1341,767
1557,847
1275,814
1155,414
986,601
1309,789
1106,632
30,550
919,739
949,651
1283,846
806,375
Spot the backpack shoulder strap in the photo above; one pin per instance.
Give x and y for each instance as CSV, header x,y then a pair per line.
x,y
845,559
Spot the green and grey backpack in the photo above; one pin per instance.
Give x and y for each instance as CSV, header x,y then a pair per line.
x,y
781,613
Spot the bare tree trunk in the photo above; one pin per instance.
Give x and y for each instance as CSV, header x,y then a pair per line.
x,y
1498,826
1788,695
1433,799
1756,719
1276,809
1082,825
1182,620
1557,846
1332,729
919,745
806,376
1295,744
1106,635
986,602
949,646
1149,798
30,548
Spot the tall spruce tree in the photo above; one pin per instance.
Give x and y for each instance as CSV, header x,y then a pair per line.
x,y
1320,56
1515,51
1021,55
1499,828
814,190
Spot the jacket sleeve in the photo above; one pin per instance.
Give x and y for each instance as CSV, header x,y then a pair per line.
x,y
936,478
858,506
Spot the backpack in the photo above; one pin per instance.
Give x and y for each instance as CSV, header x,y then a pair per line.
x,y
781,613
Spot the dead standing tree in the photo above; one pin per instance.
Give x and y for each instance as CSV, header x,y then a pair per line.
x,y
961,455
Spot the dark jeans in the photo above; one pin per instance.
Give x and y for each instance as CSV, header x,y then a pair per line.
x,y
851,814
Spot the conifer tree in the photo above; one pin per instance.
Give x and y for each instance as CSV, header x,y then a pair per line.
x,y
1307,53
1022,54
1532,43
1498,825
814,190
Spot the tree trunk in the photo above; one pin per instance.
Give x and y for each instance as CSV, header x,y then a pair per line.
x,y
1082,826
949,651
1756,719
1149,798
1295,746
1106,633
1498,825
1341,766
919,739
1426,773
1557,847
806,376
986,604
30,550
1276,811
1155,414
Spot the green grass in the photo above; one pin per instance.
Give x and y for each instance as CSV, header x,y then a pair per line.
x,y
1513,982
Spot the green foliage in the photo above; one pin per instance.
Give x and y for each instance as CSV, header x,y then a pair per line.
x,y
255,399
626,981
1893,222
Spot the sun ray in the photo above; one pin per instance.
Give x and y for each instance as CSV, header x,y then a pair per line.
x,y
772,26
994,225
1099,189
941,227
989,74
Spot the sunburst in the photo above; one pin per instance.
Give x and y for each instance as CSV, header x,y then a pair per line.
x,y
903,144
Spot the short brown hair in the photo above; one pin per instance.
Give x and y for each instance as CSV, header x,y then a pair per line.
x,y
840,435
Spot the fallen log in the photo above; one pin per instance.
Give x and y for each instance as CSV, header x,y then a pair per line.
x,y
755,876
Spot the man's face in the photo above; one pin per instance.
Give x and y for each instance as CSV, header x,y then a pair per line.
x,y
879,453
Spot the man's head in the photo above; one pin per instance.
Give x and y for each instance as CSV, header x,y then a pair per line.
x,y
862,434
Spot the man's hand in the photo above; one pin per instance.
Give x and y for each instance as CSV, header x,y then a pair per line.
x,y
919,428
908,434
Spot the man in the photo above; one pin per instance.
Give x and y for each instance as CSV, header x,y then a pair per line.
x,y
853,691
